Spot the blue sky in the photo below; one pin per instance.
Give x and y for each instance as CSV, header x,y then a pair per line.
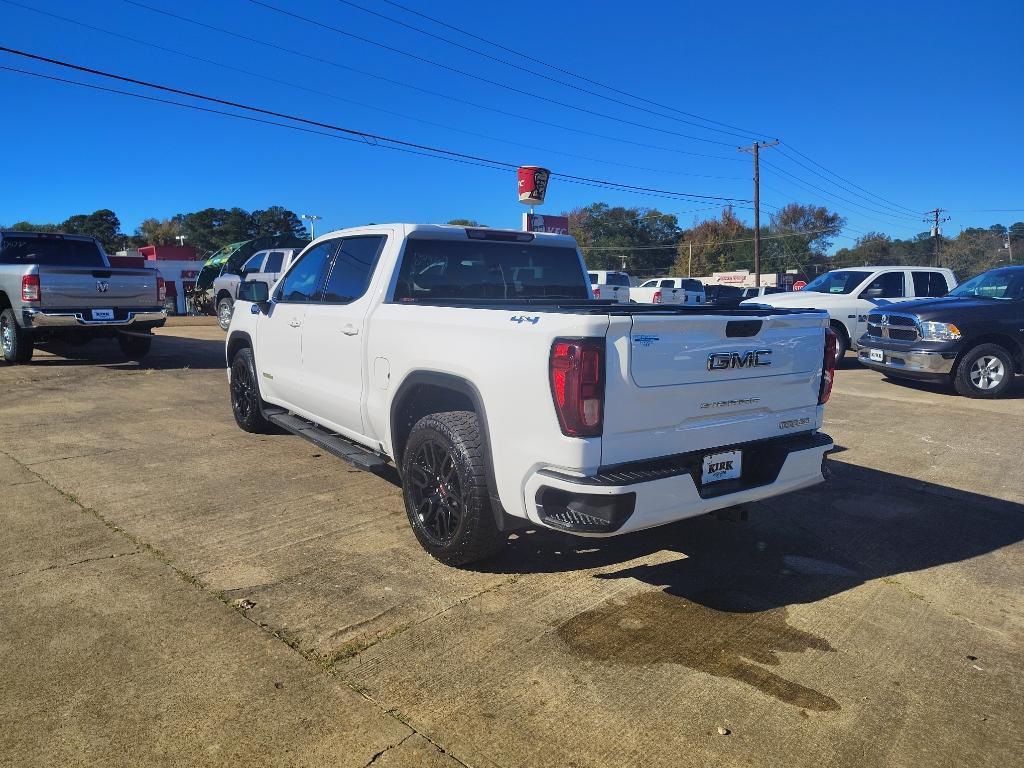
x,y
917,103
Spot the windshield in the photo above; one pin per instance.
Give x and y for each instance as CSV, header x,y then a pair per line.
x,y
50,251
837,282
1001,284
487,269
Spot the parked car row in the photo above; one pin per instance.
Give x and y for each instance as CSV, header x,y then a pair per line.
x,y
263,266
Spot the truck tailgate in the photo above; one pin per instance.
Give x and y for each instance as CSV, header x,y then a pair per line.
x,y
96,287
686,382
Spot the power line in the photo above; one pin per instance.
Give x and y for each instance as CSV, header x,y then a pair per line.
x,y
529,71
813,187
336,97
879,197
351,131
521,54
438,94
480,78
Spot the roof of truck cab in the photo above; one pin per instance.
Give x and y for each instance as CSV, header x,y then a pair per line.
x,y
66,235
452,231
893,266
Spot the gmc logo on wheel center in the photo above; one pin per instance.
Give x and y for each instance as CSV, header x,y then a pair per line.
x,y
720,361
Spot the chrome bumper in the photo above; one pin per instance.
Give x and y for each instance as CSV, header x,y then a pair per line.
x,y
37,318
915,360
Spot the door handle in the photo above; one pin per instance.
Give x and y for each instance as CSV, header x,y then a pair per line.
x,y
294,323
350,330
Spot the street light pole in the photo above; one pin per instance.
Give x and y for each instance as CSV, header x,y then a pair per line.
x,y
312,224
180,239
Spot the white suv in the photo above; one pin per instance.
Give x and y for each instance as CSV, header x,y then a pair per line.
x,y
849,294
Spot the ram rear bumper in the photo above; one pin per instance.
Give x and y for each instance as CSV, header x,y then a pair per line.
x,y
127,319
642,495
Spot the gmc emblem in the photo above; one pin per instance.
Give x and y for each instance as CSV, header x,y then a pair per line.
x,y
720,361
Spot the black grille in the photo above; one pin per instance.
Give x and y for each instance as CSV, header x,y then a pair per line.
x,y
903,334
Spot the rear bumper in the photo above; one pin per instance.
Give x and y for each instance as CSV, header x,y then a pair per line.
x,y
926,365
132,318
642,495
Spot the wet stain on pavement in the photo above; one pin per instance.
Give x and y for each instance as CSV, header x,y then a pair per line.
x,y
661,628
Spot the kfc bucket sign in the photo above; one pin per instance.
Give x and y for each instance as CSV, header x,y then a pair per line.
x,y
533,184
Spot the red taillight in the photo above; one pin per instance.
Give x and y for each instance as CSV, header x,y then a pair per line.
x,y
576,369
828,367
30,288
597,292
161,290
657,297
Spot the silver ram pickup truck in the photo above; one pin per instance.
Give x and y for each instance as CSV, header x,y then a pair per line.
x,y
56,287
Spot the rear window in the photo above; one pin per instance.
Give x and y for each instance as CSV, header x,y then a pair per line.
x,y
617,278
483,269
50,252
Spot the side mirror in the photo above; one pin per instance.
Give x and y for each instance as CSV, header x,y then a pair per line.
x,y
255,291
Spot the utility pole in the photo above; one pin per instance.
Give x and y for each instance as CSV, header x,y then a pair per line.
x,y
935,218
755,150
689,262
312,224
180,239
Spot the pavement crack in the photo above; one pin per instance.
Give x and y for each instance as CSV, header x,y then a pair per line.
x,y
57,566
389,747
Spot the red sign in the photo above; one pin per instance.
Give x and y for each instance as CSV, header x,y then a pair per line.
x,y
799,285
535,222
533,184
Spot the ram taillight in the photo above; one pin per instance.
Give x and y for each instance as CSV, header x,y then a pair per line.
x,y
828,367
657,297
30,290
576,370
161,290
597,292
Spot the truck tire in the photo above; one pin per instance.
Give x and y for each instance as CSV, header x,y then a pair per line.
x,y
984,372
444,481
17,343
246,403
842,342
134,347
225,307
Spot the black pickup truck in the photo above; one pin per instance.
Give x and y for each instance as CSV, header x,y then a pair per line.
x,y
972,338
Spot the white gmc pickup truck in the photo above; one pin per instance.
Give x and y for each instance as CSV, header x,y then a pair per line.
x,y
478,363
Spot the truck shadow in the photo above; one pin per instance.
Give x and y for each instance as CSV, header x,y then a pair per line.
x,y
723,591
1015,392
167,353
863,524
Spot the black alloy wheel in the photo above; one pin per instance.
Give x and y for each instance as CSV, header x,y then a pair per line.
x,y
245,396
437,492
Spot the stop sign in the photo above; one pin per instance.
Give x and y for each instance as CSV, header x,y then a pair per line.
x,y
799,284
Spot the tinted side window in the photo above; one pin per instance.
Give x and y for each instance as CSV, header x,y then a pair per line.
x,y
930,284
253,264
301,283
274,261
353,266
885,286
592,276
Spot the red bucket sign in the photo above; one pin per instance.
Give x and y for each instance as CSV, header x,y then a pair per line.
x,y
533,184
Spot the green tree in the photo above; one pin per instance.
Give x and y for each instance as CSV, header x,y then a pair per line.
x,y
466,223
102,224
158,231
643,239
276,220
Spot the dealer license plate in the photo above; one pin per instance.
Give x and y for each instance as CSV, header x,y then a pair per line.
x,y
876,356
103,314
721,466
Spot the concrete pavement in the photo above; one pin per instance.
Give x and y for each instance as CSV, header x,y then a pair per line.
x,y
165,569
